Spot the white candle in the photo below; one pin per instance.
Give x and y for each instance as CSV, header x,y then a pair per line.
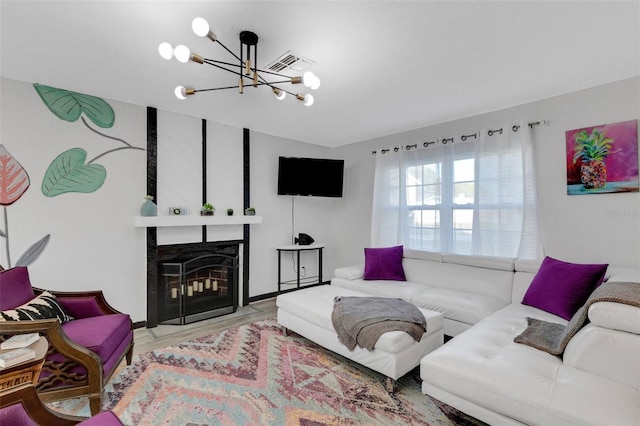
x,y
200,286
174,293
189,291
207,283
215,285
195,286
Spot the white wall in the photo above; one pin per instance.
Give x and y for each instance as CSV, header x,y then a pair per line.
x,y
94,244
284,216
579,228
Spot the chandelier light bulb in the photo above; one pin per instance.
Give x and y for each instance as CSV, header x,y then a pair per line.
x,y
280,94
315,85
182,53
308,100
165,50
308,78
200,26
181,92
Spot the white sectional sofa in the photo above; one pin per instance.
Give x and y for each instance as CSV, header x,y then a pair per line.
x,y
465,289
484,373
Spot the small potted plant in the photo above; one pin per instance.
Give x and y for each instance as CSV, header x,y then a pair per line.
x,y
207,210
250,211
229,212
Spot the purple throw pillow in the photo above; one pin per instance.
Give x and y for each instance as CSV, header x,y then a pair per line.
x,y
15,288
383,264
561,288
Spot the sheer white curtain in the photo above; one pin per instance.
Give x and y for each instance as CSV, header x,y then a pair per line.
x,y
504,212
387,208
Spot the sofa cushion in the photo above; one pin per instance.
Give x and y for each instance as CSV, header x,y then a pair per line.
x,y
383,264
457,305
487,262
350,272
561,288
382,288
15,288
43,306
616,316
101,335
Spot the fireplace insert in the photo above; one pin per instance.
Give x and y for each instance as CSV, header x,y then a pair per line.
x,y
193,286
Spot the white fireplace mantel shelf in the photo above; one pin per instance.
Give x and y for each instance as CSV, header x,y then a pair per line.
x,y
168,221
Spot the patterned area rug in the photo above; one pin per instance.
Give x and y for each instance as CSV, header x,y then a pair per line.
x,y
254,375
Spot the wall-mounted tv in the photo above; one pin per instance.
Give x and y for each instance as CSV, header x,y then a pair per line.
x,y
319,177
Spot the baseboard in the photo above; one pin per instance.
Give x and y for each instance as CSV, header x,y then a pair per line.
x,y
275,293
139,324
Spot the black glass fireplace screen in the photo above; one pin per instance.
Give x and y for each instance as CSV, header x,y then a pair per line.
x,y
198,288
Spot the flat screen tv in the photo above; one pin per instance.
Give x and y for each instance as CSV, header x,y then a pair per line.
x,y
318,177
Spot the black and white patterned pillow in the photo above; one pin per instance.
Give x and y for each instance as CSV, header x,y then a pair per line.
x,y
44,306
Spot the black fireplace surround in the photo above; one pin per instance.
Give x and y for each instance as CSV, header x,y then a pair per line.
x,y
197,281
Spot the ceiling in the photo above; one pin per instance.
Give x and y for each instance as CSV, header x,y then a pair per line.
x,y
385,66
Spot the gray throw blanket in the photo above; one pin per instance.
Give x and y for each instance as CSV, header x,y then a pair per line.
x,y
362,320
553,338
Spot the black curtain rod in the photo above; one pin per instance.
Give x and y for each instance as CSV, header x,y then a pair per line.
x,y
491,132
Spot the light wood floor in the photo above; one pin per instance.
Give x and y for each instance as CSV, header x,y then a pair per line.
x,y
147,339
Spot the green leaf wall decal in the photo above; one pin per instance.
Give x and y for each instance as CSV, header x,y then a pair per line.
x,y
68,105
68,173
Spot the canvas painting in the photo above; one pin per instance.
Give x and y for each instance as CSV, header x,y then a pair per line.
x,y
603,159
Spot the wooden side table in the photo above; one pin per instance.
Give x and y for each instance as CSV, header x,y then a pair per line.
x,y
27,371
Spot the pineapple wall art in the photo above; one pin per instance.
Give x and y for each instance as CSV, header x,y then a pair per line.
x,y
603,158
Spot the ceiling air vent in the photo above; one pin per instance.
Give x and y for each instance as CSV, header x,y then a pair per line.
x,y
290,64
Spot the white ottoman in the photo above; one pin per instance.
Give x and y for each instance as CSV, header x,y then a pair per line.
x,y
308,313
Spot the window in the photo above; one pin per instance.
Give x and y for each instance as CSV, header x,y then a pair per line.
x,y
440,202
466,198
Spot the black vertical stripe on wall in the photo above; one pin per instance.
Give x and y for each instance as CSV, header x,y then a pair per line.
x,y
152,232
246,174
204,173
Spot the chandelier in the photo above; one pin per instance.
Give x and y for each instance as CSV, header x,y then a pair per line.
x,y
245,68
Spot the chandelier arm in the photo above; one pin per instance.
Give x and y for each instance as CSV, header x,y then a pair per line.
x,y
211,62
270,84
228,50
217,88
215,63
272,73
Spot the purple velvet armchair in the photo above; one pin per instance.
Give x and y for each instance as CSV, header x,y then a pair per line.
x,y
87,340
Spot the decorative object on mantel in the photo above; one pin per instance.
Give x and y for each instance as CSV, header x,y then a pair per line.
x,y
603,158
251,211
229,212
148,208
207,209
248,70
178,211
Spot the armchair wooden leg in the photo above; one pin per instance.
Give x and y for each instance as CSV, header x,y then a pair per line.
x,y
129,355
94,404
